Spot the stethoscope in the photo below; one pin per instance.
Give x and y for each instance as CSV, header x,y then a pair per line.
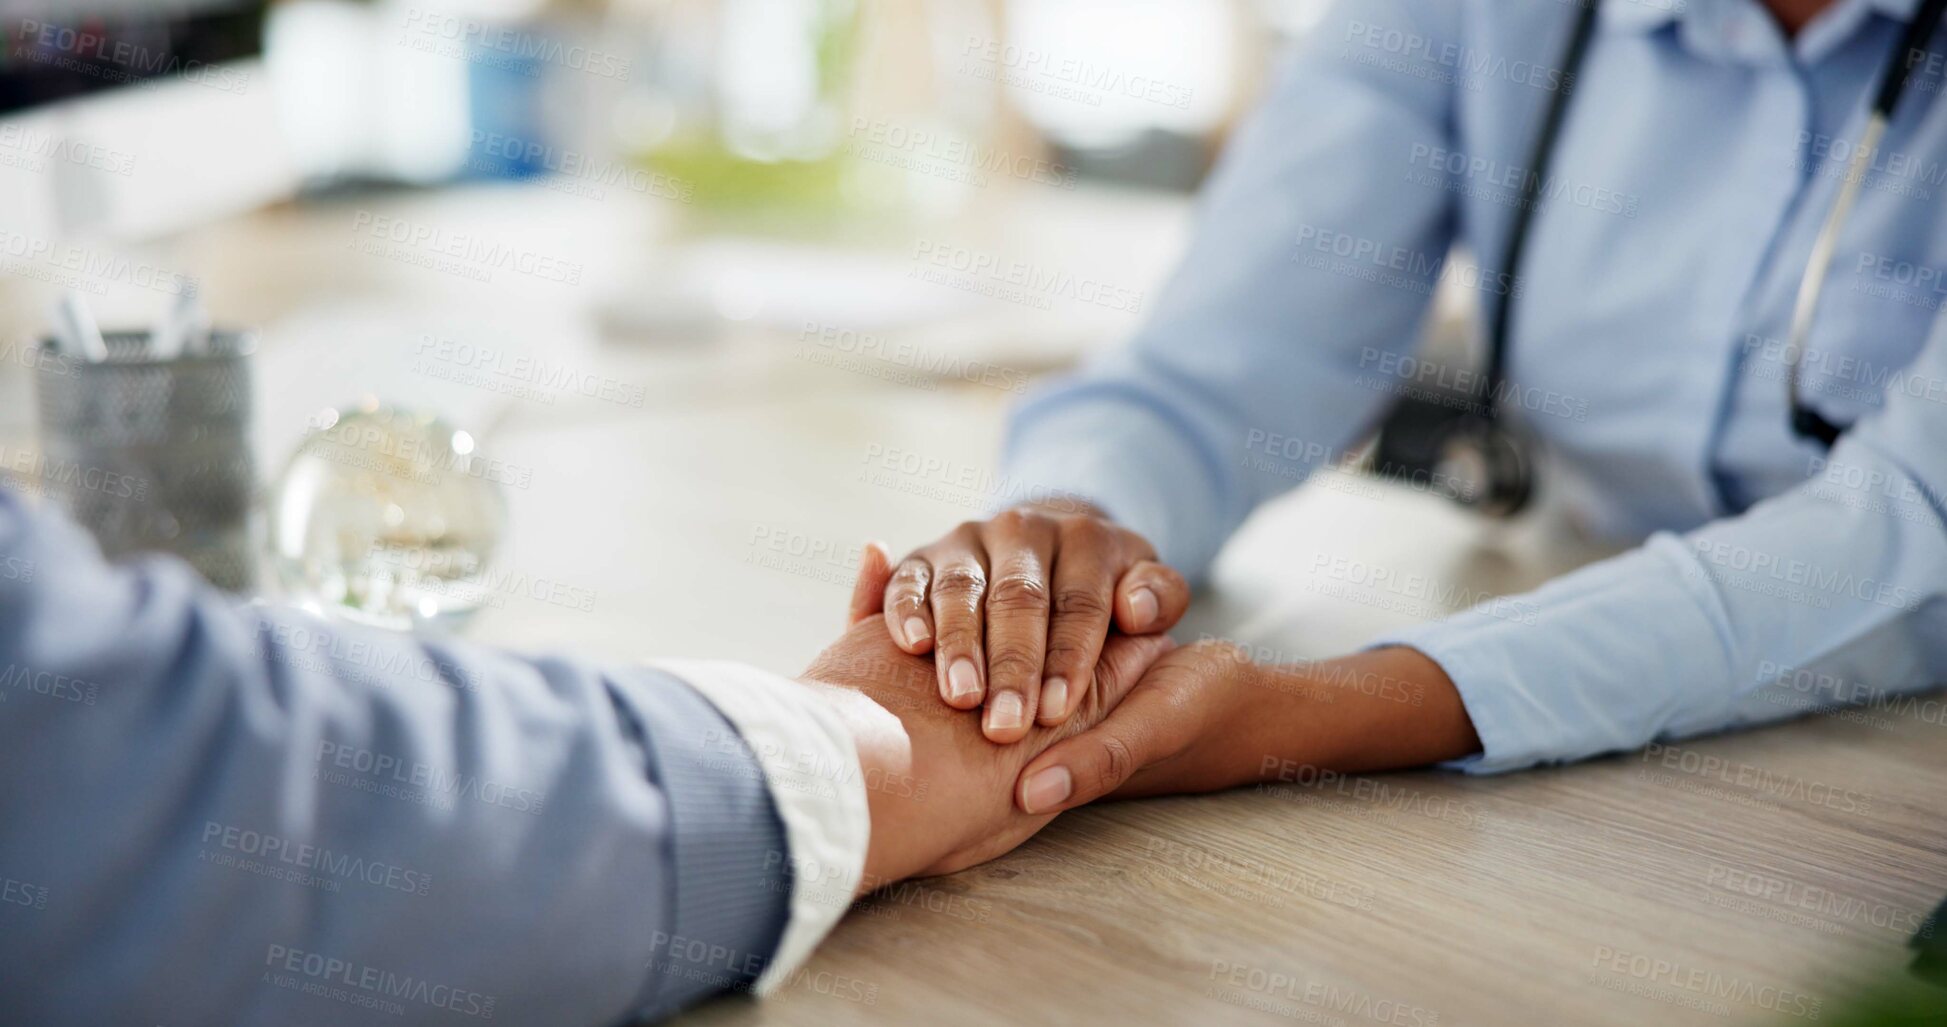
x,y
1490,461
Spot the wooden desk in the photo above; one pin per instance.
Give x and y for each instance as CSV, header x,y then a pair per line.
x,y
1617,891
720,518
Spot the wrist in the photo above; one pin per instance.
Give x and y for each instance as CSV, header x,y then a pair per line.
x,y
885,752
1382,709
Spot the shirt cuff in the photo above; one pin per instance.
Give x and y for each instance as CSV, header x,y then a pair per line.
x,y
1605,659
812,768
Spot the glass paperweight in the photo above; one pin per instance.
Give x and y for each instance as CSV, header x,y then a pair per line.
x,y
387,516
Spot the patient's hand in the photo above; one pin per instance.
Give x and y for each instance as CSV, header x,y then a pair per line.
x,y
941,795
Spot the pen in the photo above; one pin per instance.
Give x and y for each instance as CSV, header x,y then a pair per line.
x,y
77,329
185,328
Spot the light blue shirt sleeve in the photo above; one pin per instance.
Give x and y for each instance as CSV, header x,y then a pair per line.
x,y
216,813
1308,263
1401,126
1832,593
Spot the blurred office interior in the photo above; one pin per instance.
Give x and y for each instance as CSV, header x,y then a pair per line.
x,y
683,258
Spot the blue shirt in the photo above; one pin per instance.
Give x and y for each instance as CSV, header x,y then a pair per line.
x,y
216,813
1701,152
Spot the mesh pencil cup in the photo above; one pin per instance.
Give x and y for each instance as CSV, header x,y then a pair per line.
x,y
154,455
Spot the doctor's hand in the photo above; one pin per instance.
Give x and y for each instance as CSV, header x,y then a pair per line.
x,y
1205,717
940,795
1016,609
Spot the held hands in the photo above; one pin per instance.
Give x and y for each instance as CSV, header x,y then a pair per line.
x,y
1151,719
1205,717
939,793
1017,609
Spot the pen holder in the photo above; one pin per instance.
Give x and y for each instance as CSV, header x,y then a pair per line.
x,y
154,454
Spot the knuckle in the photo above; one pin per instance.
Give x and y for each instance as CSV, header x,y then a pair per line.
x,y
911,573
1015,520
960,578
1066,653
1082,601
1018,593
1118,762
1087,532
1011,661
958,637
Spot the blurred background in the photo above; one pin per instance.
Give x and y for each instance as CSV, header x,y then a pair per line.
x,y
713,290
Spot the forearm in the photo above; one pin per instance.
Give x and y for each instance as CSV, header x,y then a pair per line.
x,y
1383,709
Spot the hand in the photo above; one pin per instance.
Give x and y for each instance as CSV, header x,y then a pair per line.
x,y
938,792
1205,717
1017,609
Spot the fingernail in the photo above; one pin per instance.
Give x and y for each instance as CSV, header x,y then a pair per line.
x,y
916,631
1054,696
1142,603
1006,712
1047,789
962,679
